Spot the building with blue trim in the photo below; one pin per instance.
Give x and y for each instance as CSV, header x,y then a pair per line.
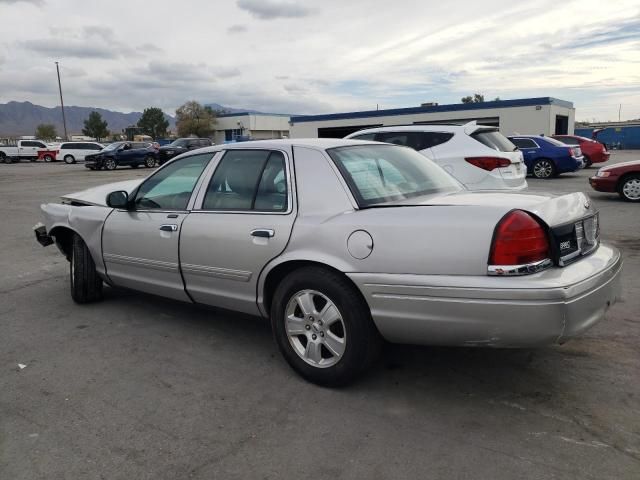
x,y
542,115
233,127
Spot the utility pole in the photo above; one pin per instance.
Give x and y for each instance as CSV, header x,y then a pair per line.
x,y
619,111
64,120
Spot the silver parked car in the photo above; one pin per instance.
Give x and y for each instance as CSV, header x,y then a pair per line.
x,y
342,243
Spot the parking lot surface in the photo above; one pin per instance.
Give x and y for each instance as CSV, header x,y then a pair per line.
x,y
138,387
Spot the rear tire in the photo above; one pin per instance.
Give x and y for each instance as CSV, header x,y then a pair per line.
x,y
307,342
629,187
48,158
86,284
543,168
149,161
4,158
69,159
587,161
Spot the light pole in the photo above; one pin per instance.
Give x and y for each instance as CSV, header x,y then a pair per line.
x,y
64,120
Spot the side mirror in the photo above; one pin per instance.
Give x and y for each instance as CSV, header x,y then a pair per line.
x,y
118,199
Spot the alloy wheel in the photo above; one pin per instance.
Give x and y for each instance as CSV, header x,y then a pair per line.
x,y
110,164
543,169
631,189
315,328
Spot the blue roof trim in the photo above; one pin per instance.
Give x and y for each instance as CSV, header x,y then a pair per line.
x,y
456,107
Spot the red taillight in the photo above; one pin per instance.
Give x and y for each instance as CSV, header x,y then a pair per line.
x,y
488,163
518,240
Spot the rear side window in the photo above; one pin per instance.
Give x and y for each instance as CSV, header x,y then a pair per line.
x,y
365,136
415,140
494,140
433,139
248,180
524,143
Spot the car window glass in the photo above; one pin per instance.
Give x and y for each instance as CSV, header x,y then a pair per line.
x,y
555,142
248,180
272,190
567,141
432,139
524,142
397,138
378,174
171,187
494,140
64,146
29,144
365,136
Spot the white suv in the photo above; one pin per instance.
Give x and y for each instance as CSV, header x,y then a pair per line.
x,y
71,152
478,156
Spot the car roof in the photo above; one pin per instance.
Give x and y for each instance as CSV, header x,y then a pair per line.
x,y
431,127
315,143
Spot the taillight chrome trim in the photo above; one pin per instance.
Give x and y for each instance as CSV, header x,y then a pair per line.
x,y
513,270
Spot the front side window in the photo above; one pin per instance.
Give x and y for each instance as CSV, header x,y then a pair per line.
x,y
171,187
378,174
248,180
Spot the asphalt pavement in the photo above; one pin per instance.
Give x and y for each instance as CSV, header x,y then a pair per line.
x,y
139,387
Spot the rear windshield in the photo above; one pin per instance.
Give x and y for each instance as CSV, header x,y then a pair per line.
x,y
553,141
378,174
494,139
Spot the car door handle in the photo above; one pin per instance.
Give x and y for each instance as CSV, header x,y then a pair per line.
x,y
263,232
169,228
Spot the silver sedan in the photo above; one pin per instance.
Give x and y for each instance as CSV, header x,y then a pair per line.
x,y
342,244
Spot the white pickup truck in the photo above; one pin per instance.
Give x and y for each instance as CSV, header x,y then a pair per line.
x,y
21,149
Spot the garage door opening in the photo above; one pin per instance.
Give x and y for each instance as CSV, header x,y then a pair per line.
x,y
562,125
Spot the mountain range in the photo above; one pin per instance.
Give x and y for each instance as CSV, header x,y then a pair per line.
x,y
22,118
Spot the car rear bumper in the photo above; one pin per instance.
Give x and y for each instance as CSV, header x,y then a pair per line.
x,y
534,310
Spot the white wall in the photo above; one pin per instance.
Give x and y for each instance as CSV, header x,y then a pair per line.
x,y
522,120
258,126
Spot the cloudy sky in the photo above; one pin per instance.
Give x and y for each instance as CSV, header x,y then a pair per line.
x,y
321,56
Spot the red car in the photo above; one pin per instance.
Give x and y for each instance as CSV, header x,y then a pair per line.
x,y
594,152
623,178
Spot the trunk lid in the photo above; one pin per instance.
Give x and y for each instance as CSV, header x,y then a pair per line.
x,y
572,219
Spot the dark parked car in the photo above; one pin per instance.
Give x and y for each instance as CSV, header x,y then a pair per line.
x,y
593,152
181,145
546,157
132,154
623,178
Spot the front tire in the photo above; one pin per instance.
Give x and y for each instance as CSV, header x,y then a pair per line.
x,y
629,188
86,284
69,159
323,326
544,169
110,164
